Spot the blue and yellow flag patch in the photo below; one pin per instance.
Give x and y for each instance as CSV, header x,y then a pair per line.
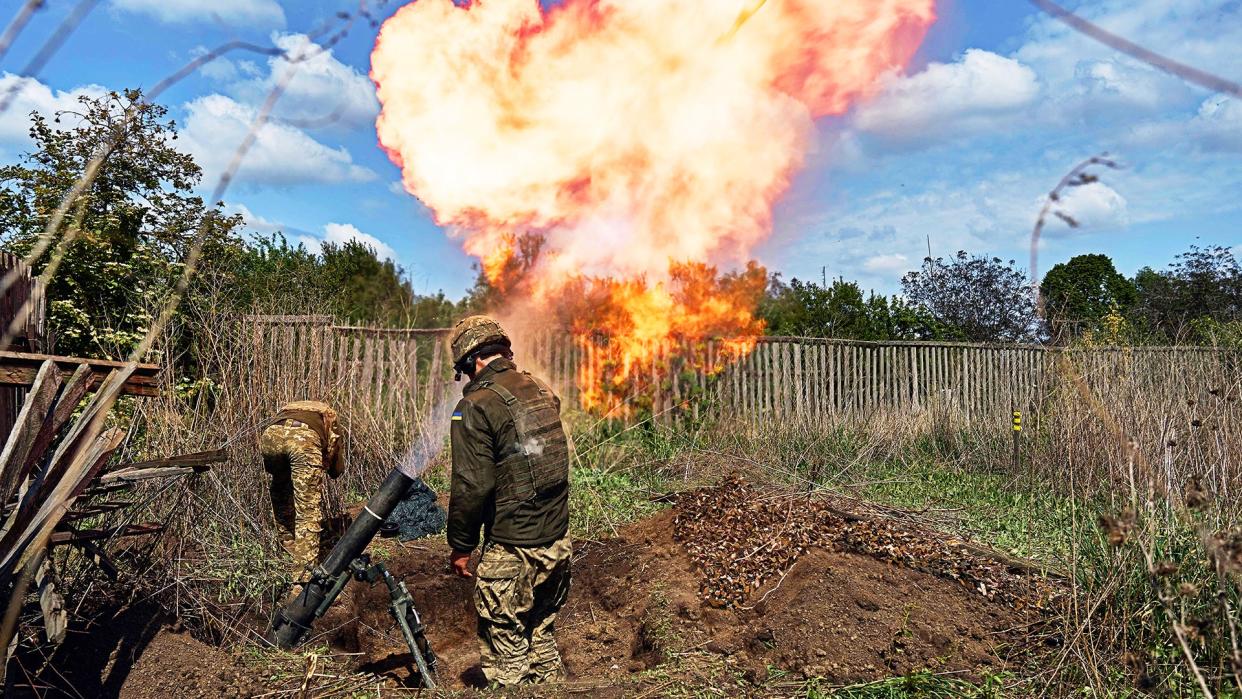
x,y
457,415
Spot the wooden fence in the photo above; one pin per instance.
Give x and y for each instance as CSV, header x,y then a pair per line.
x,y
24,297
398,375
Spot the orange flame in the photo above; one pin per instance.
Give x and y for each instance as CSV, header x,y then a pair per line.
x,y
633,136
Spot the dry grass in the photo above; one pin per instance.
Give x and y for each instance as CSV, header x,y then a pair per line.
x,y
1158,609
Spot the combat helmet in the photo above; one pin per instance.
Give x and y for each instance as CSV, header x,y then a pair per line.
x,y
474,333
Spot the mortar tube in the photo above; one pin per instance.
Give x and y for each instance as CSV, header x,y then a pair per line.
x,y
293,622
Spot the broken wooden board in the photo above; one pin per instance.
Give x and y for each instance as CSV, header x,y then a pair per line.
x,y
25,535
21,368
51,602
193,459
83,535
128,475
25,433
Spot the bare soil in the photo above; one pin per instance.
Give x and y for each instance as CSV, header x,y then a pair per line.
x,y
852,603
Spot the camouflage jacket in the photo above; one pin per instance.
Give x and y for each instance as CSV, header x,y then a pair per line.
x,y
324,421
510,462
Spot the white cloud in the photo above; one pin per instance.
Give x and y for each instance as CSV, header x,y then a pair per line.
x,y
340,233
1094,206
980,91
1004,129
232,12
281,154
34,96
322,89
253,221
887,264
1219,123
336,233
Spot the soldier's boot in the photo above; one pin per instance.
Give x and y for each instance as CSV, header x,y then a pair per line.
x,y
545,663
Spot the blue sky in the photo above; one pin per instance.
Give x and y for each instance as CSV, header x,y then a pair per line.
x,y
999,102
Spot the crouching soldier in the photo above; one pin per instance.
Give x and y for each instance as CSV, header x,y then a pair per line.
x,y
510,477
299,445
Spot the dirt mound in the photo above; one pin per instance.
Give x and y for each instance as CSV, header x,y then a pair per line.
x,y
177,664
735,579
819,596
135,653
743,537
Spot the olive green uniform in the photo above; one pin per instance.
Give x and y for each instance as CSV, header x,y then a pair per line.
x,y
302,443
511,478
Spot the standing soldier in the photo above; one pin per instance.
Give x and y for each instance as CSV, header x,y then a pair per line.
x,y
510,477
299,444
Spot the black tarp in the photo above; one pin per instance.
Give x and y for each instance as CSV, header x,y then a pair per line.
x,y
418,514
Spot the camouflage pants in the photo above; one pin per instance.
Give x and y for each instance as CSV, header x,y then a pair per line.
x,y
517,595
293,455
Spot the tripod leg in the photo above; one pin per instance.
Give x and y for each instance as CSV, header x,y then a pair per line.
x,y
401,606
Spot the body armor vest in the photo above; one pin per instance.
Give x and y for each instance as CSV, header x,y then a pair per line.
x,y
538,465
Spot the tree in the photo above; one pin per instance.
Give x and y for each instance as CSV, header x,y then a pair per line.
x,y
978,299
124,240
1202,289
841,311
348,281
1077,294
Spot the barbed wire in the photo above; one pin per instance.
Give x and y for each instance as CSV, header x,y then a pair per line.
x,y
47,50
18,23
293,57
1190,74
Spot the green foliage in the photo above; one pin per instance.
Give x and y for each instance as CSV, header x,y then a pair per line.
x,y
347,280
1196,300
975,298
989,507
917,685
842,311
1078,294
601,501
123,243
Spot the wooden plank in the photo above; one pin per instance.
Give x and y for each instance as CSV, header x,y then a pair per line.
x,y
913,383
75,537
799,384
134,474
676,368
399,332
834,364
51,602
95,509
21,369
20,543
965,385
785,393
197,458
38,404
289,319
771,382
380,383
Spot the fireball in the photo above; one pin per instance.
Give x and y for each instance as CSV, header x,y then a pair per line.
x,y
634,137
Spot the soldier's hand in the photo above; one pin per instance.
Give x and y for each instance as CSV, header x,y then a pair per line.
x,y
461,563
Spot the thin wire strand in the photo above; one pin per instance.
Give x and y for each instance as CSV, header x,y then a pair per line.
x,y
1190,74
18,24
49,48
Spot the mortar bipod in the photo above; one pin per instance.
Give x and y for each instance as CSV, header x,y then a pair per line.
x,y
401,607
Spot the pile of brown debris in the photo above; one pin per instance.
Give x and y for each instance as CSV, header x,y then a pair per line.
x,y
743,538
